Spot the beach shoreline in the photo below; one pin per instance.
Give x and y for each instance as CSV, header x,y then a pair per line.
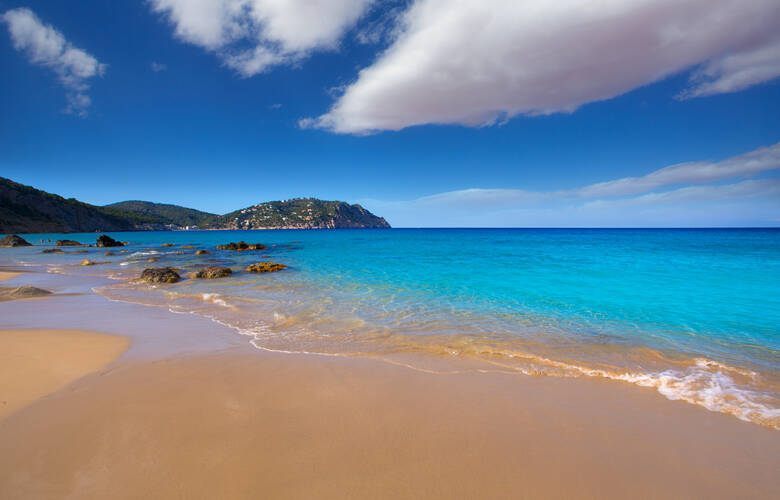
x,y
207,415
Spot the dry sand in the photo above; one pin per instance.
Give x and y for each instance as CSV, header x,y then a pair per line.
x,y
35,363
248,424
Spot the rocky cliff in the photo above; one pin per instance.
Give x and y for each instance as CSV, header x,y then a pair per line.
x,y
302,213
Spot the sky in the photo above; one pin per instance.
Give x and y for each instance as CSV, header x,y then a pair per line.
x,y
430,113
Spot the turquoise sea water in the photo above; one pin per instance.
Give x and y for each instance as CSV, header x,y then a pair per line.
x,y
693,313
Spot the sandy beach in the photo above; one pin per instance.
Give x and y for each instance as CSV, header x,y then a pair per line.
x,y
7,275
35,363
162,421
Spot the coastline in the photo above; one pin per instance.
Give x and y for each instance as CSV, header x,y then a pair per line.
x,y
192,409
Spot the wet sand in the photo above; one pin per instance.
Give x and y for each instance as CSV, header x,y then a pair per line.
x,y
6,275
191,410
35,363
244,424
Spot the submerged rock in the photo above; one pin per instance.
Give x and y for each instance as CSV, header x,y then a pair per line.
x,y
152,259
78,251
202,252
53,250
187,246
87,262
160,275
265,267
107,241
67,243
13,240
241,246
212,272
23,292
109,254
168,245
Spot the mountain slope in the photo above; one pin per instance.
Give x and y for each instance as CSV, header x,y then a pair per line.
x,y
160,213
302,213
24,209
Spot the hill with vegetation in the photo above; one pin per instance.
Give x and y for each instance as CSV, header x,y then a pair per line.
x,y
160,213
302,213
24,209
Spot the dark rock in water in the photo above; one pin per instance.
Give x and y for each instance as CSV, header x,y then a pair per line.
x,y
78,251
242,246
109,254
23,292
160,275
168,245
67,243
152,259
265,267
13,240
53,250
108,241
212,272
190,247
202,252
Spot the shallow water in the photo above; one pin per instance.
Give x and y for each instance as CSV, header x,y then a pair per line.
x,y
693,313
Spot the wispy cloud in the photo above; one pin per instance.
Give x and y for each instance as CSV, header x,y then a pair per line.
x,y
45,46
698,197
253,35
479,62
748,164
157,67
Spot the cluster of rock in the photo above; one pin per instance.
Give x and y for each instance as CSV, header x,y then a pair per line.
x,y
212,272
22,292
67,243
160,275
13,240
265,267
107,241
241,246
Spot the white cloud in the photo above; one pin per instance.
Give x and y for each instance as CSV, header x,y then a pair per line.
x,y
252,35
476,62
157,67
697,200
748,164
45,46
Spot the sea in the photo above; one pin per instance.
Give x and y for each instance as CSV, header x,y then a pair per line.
x,y
691,313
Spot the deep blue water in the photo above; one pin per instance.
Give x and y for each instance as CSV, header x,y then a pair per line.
x,y
694,313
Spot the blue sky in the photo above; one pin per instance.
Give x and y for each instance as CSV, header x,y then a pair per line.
x,y
428,112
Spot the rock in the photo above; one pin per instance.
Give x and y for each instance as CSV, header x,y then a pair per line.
x,y
202,252
241,246
52,250
79,251
67,243
167,245
109,254
23,292
87,262
212,272
108,241
265,267
160,275
266,256
187,246
152,259
13,240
